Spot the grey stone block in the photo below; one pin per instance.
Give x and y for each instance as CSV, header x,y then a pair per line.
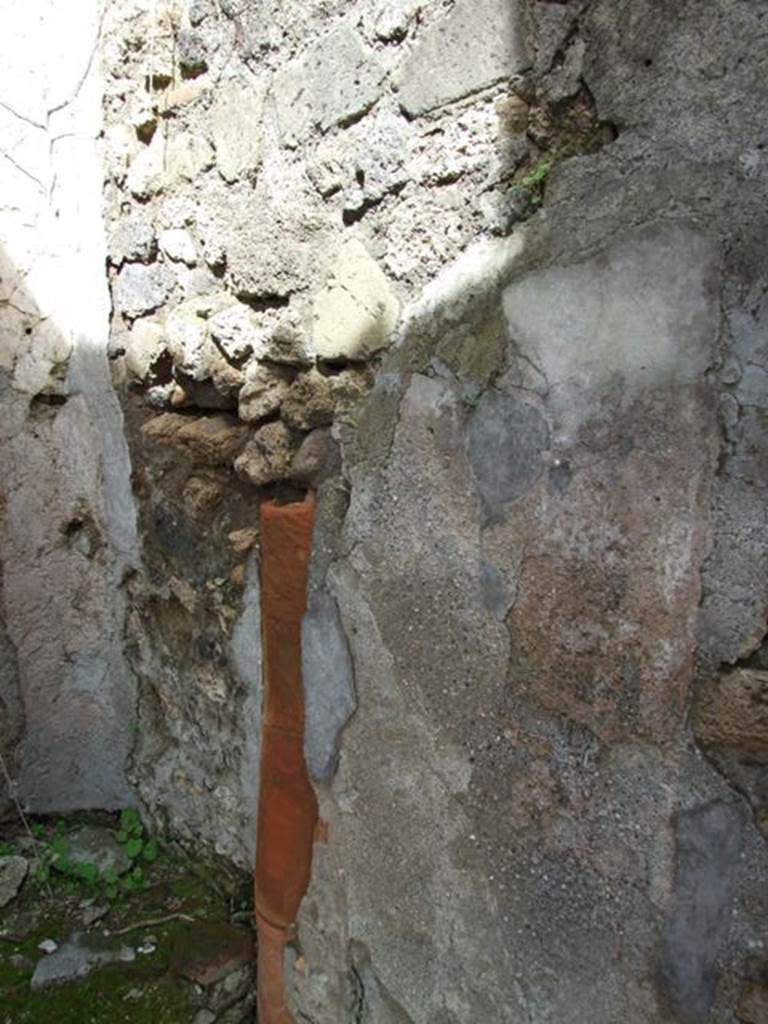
x,y
335,81
139,289
505,441
478,43
328,683
708,843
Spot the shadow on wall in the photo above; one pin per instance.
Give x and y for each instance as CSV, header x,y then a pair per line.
x,y
67,540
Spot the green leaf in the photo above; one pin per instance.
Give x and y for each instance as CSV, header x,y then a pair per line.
x,y
110,876
38,831
122,836
130,821
538,175
111,892
150,851
87,872
60,846
134,847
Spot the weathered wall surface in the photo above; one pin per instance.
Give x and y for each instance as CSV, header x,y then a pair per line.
x,y
553,554
280,180
534,662
67,520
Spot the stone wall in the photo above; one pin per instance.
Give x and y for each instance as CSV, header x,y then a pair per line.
x,y
67,519
488,276
280,181
537,226
552,556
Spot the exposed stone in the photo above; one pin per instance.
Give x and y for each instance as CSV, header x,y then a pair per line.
x,y
477,43
512,112
177,212
328,683
235,332
502,208
506,441
120,146
354,316
76,959
236,120
202,497
706,857
731,714
212,440
144,349
178,246
752,1007
189,341
334,81
181,95
94,845
235,991
207,952
327,173
240,1012
257,268
393,19
218,390
310,402
132,238
313,399
227,379
93,914
267,456
311,457
199,10
263,392
168,161
191,52
13,871
243,540
198,281
141,289
533,493
287,345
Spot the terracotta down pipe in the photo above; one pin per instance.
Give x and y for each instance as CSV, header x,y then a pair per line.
x,y
287,805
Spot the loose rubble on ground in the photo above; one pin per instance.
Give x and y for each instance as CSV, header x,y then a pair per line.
x,y
94,929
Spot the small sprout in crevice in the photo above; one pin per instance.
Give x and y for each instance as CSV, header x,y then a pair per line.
x,y
536,178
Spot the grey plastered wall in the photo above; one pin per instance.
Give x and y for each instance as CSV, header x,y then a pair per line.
x,y
68,520
553,535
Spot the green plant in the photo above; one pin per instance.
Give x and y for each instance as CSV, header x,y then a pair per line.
x,y
55,852
534,180
136,845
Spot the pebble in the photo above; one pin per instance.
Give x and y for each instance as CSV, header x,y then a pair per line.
x,y
13,871
93,914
